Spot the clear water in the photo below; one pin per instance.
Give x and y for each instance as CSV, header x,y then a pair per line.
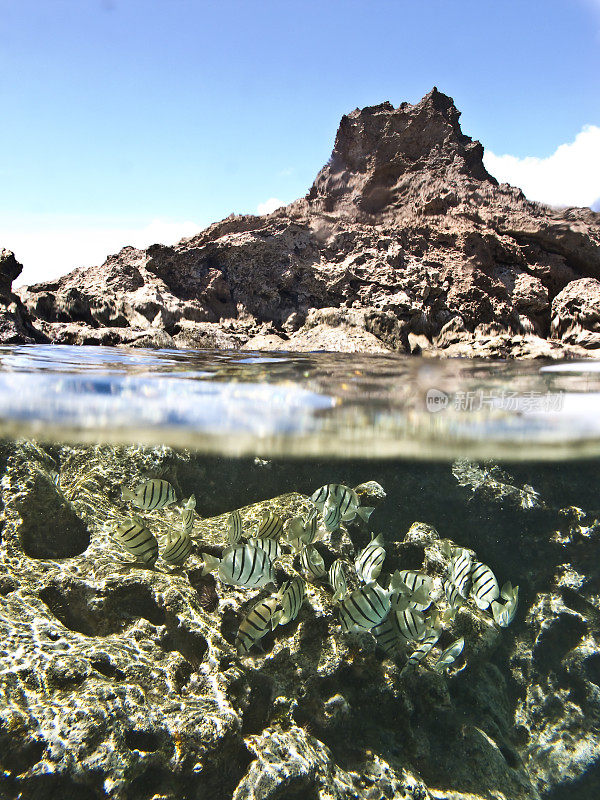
x,y
121,680
302,404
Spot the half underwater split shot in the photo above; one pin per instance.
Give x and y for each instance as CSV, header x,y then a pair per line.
x,y
298,576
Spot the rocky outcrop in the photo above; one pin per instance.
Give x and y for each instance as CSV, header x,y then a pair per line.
x,y
403,231
576,313
16,326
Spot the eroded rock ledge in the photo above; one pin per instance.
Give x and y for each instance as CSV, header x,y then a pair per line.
x,y
404,243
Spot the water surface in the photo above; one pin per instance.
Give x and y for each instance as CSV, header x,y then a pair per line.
x,y
300,404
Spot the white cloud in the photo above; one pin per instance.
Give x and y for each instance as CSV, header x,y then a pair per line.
x,y
48,248
269,205
568,177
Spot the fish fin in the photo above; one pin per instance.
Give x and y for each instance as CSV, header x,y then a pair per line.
x,y
398,585
394,585
276,619
507,591
449,614
421,596
377,540
136,518
497,609
446,548
364,512
211,563
293,528
127,495
191,503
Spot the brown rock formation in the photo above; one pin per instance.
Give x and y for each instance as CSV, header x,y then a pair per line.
x,y
15,323
403,234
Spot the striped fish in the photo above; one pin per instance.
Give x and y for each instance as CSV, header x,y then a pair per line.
x,y
364,608
256,624
418,588
338,494
337,579
332,515
271,547
234,528
430,638
312,562
311,527
137,539
187,515
504,613
293,531
291,596
449,655
388,634
453,596
245,565
177,548
370,560
343,499
484,585
412,623
150,495
460,571
271,526
299,532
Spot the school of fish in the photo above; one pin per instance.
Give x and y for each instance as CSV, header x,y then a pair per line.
x,y
406,618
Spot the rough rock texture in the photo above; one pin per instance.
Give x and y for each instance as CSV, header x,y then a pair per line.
x,y
123,682
402,234
576,313
15,322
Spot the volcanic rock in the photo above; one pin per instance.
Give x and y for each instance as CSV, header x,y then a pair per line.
x,y
403,232
576,313
15,322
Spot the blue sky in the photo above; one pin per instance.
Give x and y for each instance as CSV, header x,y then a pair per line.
x,y
131,121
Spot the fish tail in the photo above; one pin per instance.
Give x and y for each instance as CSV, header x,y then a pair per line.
x,y
395,580
507,591
210,563
364,512
191,503
127,495
497,609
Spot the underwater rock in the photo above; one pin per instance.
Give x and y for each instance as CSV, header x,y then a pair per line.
x,y
122,681
490,484
403,234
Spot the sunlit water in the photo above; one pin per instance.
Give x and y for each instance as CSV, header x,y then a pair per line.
x,y
297,404
133,668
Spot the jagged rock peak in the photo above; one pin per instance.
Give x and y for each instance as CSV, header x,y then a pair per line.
x,y
380,149
10,269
